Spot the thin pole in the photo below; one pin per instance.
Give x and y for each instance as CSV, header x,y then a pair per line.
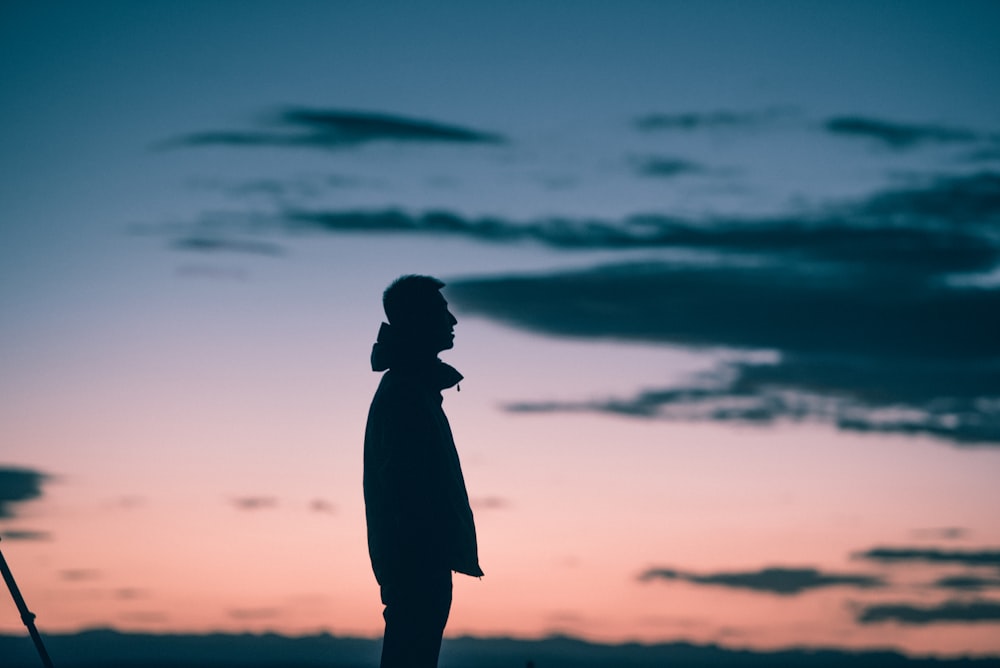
x,y
27,616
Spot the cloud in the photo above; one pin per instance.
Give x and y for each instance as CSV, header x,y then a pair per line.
x,y
859,348
18,485
322,506
778,581
860,394
489,503
130,593
963,202
335,128
932,555
938,225
988,154
945,533
930,227
868,328
128,502
897,135
255,502
216,245
25,534
967,582
711,120
963,612
79,574
663,167
877,315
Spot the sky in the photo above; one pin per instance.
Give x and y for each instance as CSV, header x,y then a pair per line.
x,y
727,278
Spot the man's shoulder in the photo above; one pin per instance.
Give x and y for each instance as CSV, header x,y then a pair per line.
x,y
395,388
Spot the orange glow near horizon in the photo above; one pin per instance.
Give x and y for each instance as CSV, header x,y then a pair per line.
x,y
575,524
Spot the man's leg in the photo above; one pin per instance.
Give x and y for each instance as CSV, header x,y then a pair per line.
x,y
417,604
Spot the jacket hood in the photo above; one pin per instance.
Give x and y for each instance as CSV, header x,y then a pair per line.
x,y
392,351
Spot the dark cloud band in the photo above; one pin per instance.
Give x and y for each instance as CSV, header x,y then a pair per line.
x,y
897,135
963,612
778,581
335,128
932,555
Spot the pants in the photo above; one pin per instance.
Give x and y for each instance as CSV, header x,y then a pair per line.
x,y
417,604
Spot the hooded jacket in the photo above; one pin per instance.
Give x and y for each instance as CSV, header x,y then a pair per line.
x,y
416,503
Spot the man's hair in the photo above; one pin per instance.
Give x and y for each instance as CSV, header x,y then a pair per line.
x,y
407,297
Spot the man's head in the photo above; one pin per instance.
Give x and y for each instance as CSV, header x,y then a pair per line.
x,y
416,308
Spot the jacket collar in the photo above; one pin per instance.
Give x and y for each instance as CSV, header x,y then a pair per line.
x,y
392,352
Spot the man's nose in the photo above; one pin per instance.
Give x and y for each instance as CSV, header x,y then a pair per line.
x,y
451,319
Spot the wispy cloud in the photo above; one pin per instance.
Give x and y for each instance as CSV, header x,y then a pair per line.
x,y
895,134
937,226
942,218
79,574
25,534
702,120
778,581
322,506
967,582
964,612
336,128
986,154
665,167
945,533
218,245
18,485
489,503
130,593
979,557
254,502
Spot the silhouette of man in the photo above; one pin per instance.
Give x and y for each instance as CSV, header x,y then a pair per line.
x,y
420,525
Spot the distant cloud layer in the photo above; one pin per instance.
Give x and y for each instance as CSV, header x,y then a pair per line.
x,y
964,612
701,120
947,533
18,485
79,574
335,128
779,581
942,608
872,309
664,167
25,534
897,135
255,502
880,314
968,582
932,556
205,244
